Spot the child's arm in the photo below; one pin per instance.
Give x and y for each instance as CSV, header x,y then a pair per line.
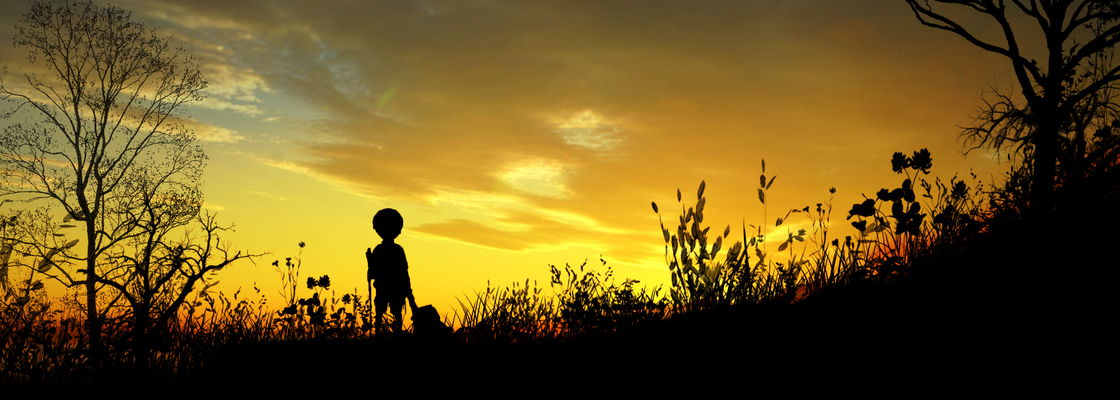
x,y
412,302
369,265
408,284
407,279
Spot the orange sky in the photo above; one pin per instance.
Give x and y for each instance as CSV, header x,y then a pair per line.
x,y
516,134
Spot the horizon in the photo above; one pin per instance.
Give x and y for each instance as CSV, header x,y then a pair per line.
x,y
514,136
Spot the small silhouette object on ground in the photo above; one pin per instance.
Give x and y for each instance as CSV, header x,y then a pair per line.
x,y
388,268
426,322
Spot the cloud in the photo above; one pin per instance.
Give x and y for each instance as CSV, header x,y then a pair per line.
x,y
589,130
491,209
266,195
220,44
514,223
212,207
223,105
500,211
229,81
214,134
536,176
232,88
340,184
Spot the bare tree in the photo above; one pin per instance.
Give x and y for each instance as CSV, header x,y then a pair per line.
x,y
156,274
1066,93
97,130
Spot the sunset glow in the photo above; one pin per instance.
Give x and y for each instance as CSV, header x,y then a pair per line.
x,y
516,134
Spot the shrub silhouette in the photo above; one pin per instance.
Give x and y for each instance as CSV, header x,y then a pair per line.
x,y
317,316
913,238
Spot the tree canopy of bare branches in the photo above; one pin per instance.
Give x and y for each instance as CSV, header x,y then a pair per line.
x,y
1067,94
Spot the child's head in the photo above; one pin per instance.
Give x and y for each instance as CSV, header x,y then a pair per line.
x,y
388,223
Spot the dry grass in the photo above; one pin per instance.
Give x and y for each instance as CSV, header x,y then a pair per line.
x,y
43,340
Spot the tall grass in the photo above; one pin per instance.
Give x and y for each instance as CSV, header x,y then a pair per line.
x,y
514,314
44,341
586,302
896,233
754,270
701,281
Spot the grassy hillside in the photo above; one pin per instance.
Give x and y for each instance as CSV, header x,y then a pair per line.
x,y
922,274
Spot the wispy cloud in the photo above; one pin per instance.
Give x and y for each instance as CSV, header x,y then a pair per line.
x,y
589,130
508,222
267,195
216,134
536,176
213,207
333,181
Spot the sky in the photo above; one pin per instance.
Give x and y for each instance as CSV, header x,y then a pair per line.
x,y
516,134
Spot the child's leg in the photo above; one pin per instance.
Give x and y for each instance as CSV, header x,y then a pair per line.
x,y
398,319
380,303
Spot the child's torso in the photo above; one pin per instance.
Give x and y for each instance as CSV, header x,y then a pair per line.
x,y
392,267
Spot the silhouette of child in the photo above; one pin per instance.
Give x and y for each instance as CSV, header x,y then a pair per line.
x,y
388,268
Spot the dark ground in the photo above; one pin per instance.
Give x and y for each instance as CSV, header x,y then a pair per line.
x,y
1016,315
1020,308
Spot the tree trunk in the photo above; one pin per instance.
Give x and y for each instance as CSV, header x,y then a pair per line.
x,y
1039,215
1045,160
141,346
92,320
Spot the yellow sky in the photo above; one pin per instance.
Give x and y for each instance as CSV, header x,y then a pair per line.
x,y
515,134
